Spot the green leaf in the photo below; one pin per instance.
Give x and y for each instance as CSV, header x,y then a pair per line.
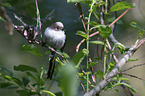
x,y
80,74
116,90
100,3
112,64
78,58
5,85
97,26
6,71
92,64
26,93
31,75
99,75
81,33
23,68
77,1
132,60
97,42
25,80
120,6
105,31
23,92
141,32
64,54
68,81
121,47
48,92
110,52
124,79
127,85
32,49
134,24
59,94
93,23
59,61
5,4
16,80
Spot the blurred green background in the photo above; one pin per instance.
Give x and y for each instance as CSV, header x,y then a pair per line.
x,y
10,46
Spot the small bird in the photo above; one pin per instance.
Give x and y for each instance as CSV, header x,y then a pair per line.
x,y
54,36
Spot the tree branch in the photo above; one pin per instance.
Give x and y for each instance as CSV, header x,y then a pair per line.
x,y
115,70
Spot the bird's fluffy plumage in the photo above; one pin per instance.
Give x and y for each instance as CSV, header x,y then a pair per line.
x,y
54,38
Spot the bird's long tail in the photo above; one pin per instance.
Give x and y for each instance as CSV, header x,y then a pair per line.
x,y
51,66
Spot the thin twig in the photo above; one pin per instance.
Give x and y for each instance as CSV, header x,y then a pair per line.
x,y
132,75
81,84
81,15
133,67
8,21
92,71
38,17
46,17
19,19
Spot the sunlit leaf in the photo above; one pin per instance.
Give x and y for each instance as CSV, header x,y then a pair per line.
x,y
59,61
32,49
93,23
97,42
23,68
81,33
100,3
78,58
77,1
141,32
121,47
124,79
16,80
120,6
64,54
134,24
110,52
80,74
127,85
132,60
92,64
97,26
48,92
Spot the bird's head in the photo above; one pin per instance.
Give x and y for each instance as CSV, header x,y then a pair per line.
x,y
57,26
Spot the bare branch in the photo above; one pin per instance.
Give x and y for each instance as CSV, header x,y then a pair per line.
x,y
115,70
132,75
81,15
38,17
19,19
8,22
134,67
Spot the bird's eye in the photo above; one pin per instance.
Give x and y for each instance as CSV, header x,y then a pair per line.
x,y
57,28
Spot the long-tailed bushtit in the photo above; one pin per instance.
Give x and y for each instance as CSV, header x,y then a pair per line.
x,y
54,37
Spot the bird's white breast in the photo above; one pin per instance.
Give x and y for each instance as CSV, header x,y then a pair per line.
x,y
54,38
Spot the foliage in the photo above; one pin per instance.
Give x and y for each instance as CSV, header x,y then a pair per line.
x,y
33,82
